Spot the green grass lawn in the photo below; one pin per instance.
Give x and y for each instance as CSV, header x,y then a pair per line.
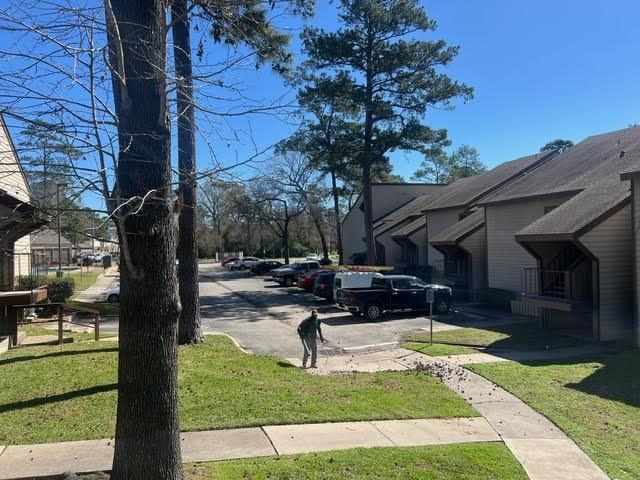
x,y
477,461
103,308
69,393
77,336
84,281
517,336
595,401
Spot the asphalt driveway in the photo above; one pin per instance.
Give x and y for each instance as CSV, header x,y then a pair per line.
x,y
263,317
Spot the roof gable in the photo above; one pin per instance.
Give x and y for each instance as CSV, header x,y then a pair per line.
x,y
467,191
580,213
578,167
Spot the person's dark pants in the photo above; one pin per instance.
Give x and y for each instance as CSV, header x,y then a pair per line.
x,y
310,345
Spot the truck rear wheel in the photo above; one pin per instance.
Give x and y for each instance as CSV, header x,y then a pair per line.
x,y
288,282
442,306
373,312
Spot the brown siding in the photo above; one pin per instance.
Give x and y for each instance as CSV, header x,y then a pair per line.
x,y
386,198
438,222
635,208
612,244
506,258
476,245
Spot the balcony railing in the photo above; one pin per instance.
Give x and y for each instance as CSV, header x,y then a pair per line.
x,y
560,284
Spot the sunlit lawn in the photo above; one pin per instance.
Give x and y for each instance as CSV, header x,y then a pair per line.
x,y
56,393
516,336
475,461
596,401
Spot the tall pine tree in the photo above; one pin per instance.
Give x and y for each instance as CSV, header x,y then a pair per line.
x,y
393,76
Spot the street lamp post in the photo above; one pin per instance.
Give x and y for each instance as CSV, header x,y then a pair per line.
x,y
59,272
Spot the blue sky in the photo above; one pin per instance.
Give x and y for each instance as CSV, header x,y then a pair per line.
x,y
541,70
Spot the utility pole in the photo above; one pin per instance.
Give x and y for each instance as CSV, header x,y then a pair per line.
x,y
59,272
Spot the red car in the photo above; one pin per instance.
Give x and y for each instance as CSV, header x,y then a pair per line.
x,y
229,260
307,280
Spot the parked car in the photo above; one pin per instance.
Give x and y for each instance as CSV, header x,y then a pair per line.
x,y
244,263
288,274
265,266
113,295
306,281
394,292
313,256
323,287
228,261
349,280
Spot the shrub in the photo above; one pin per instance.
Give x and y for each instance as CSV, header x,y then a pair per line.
x,y
31,282
60,289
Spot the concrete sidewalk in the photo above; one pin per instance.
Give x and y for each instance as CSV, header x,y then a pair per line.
x,y
545,452
96,292
28,461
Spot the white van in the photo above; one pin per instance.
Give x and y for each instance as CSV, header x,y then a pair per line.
x,y
353,280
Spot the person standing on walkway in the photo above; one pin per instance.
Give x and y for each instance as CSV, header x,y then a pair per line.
x,y
308,330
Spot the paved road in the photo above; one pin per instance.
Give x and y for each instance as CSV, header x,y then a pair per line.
x,y
263,317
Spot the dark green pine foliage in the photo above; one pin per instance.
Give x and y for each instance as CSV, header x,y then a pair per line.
x,y
393,75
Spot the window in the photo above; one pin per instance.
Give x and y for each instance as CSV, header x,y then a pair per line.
x,y
402,284
417,283
377,282
338,283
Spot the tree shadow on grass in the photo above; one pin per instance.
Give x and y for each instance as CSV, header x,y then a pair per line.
x,y
61,397
284,364
615,380
66,353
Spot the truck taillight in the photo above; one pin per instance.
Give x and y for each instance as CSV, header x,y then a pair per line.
x,y
352,298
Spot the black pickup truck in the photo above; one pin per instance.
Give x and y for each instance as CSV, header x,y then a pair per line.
x,y
393,292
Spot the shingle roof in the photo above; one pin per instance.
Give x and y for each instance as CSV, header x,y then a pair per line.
x,y
471,189
580,213
460,230
408,210
48,237
578,167
410,228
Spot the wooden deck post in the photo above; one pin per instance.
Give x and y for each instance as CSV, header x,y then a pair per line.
x,y
97,326
60,336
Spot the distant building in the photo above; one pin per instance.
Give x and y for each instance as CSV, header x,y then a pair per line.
x,y
44,248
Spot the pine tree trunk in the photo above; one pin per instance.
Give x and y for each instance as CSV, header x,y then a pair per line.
x,y
147,444
323,237
336,211
189,327
367,160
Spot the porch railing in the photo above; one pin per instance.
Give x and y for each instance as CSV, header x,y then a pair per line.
x,y
560,284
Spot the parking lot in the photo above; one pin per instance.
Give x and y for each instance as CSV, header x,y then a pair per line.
x,y
263,317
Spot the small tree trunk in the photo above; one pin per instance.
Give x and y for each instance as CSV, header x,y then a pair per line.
x,y
323,237
285,241
189,329
147,443
336,212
